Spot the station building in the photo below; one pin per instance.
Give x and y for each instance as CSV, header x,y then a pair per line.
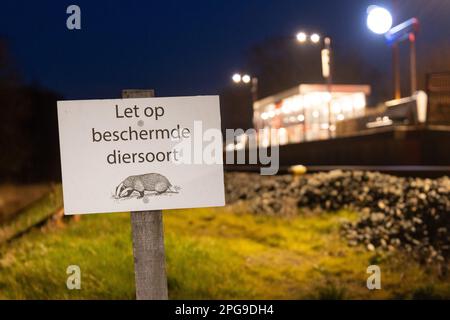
x,y
307,112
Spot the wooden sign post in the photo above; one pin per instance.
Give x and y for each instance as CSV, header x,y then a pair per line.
x,y
148,242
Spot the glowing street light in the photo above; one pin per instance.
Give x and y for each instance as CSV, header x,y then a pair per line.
x,y
301,37
379,20
236,78
246,79
315,38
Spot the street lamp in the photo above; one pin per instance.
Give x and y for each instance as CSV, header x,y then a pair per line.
x,y
246,79
236,78
326,64
379,20
302,37
315,38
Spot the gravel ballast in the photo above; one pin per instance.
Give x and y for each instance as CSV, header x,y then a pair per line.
x,y
408,213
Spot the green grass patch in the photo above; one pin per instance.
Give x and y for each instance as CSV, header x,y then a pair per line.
x,y
211,254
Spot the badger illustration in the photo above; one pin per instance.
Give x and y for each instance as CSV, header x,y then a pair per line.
x,y
154,182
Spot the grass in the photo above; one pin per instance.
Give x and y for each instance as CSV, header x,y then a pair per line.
x,y
215,253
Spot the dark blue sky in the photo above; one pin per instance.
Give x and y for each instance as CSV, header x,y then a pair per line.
x,y
182,47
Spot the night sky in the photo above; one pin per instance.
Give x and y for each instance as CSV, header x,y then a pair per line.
x,y
183,47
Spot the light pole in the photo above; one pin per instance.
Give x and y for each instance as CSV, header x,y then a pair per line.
x,y
247,79
413,62
406,30
396,58
379,20
326,72
314,38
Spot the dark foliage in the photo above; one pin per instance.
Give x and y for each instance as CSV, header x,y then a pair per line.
x,y
29,149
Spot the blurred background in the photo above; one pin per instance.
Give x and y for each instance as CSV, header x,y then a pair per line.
x,y
189,49
355,93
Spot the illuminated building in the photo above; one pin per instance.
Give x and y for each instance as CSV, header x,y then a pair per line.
x,y
302,113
